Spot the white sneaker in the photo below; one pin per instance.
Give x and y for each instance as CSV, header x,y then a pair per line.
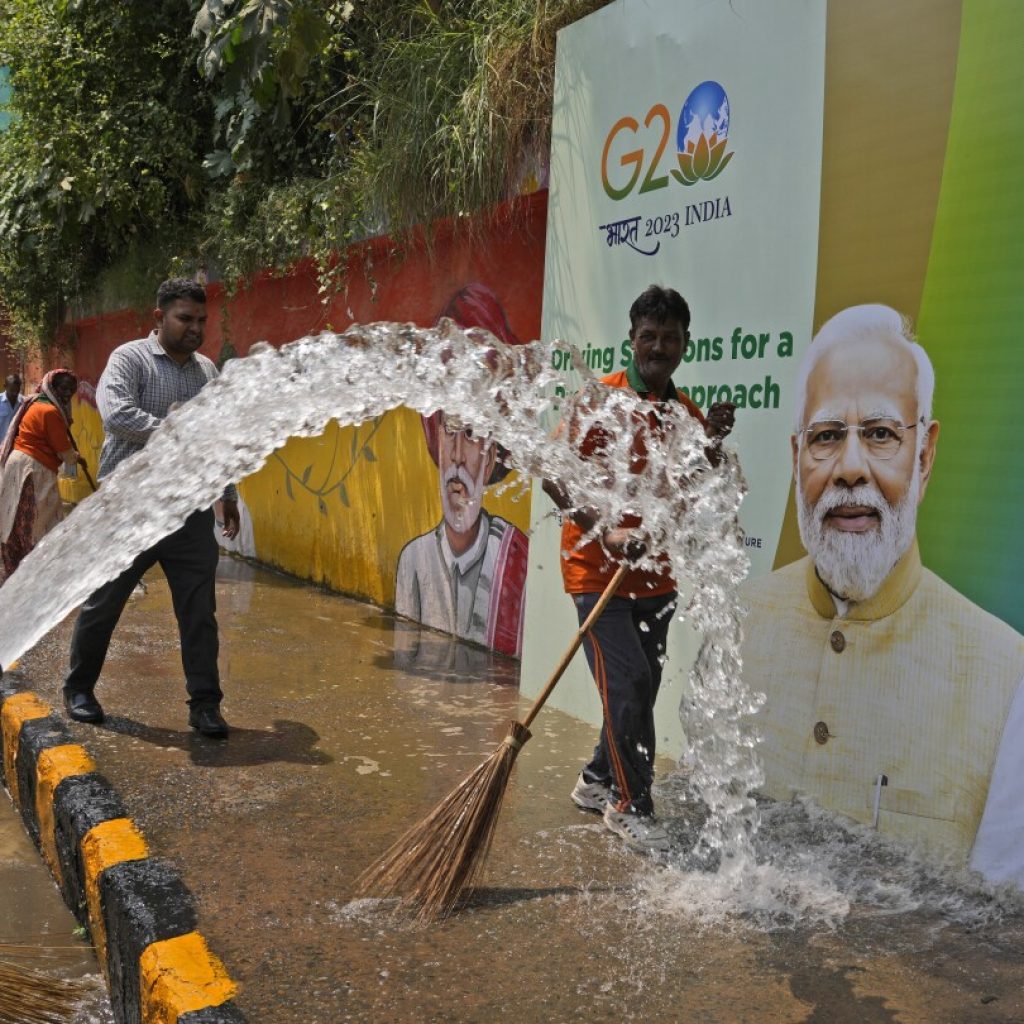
x,y
591,796
639,832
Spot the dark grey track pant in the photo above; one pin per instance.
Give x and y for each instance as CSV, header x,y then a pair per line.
x,y
624,649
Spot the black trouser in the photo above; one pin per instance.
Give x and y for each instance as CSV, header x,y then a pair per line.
x,y
625,648
188,558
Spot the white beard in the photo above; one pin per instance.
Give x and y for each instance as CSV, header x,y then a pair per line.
x,y
854,565
462,516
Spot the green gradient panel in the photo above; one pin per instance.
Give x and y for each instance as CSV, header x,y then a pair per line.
x,y
971,321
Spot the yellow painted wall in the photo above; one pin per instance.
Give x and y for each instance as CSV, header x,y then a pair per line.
x,y
87,429
338,509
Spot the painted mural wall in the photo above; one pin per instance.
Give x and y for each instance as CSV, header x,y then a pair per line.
x,y
401,499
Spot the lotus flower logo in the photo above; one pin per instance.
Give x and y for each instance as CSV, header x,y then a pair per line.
x,y
702,135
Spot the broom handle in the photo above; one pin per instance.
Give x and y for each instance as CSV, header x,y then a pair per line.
x,y
85,468
609,593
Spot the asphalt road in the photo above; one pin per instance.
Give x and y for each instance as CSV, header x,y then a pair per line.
x,y
347,727
37,931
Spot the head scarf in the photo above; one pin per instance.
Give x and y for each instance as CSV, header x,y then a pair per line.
x,y
45,389
475,305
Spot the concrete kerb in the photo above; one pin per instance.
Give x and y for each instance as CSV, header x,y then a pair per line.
x,y
137,910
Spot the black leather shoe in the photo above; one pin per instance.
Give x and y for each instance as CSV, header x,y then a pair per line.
x,y
208,722
83,707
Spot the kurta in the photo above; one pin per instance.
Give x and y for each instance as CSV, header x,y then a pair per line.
x,y
914,684
477,595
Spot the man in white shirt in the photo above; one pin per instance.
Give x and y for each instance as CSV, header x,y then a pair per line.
x,y
142,380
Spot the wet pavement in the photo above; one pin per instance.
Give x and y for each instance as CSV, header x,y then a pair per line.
x,y
347,727
37,931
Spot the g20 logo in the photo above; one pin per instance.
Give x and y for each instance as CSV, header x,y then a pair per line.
x,y
701,137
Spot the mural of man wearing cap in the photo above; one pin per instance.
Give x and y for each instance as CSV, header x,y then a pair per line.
x,y
467,576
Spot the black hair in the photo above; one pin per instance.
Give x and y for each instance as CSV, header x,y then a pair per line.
x,y
179,288
659,304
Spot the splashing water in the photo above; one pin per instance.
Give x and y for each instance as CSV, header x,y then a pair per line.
x,y
688,507
809,867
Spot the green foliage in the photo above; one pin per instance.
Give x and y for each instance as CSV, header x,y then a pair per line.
x,y
457,108
105,148
275,68
246,134
435,109
266,61
252,227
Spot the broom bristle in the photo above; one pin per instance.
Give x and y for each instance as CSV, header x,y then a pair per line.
x,y
31,997
436,861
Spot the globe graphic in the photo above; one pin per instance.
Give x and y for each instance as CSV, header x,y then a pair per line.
x,y
706,111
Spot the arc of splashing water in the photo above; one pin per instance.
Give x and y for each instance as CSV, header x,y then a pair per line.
x,y
229,430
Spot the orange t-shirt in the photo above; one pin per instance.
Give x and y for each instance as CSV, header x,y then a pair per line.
x,y
43,434
589,569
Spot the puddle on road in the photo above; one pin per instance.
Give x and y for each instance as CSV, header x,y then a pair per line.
x,y
36,930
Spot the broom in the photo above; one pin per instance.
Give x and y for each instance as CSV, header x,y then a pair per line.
x,y
88,476
438,858
28,996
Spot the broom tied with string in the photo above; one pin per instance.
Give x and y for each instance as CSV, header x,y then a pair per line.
x,y
28,996
436,861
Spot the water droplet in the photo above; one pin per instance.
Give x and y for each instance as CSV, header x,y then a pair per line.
x,y
504,392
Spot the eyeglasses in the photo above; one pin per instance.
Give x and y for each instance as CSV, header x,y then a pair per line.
x,y
881,436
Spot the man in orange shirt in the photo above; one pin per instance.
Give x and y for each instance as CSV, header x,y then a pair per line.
x,y
626,645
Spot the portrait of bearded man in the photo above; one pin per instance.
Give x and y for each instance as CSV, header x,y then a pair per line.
x,y
891,698
467,576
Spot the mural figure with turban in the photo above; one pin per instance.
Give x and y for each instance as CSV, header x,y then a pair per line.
x,y
467,576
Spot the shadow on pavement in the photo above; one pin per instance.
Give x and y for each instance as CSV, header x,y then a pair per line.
x,y
286,741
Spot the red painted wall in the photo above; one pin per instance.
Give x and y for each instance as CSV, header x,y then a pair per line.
x,y
507,255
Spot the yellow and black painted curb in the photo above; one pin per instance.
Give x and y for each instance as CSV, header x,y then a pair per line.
x,y
140,916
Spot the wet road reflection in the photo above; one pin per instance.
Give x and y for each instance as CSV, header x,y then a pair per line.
x,y
348,726
36,930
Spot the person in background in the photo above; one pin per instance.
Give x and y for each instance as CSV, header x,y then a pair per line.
x,y
626,645
37,442
10,400
143,379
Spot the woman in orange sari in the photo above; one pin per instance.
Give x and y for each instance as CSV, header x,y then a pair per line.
x,y
37,442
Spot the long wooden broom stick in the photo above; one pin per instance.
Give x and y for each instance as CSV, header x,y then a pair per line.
x,y
435,862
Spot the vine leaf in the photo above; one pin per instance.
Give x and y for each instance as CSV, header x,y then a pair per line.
x,y
306,472
322,505
368,454
288,485
343,494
